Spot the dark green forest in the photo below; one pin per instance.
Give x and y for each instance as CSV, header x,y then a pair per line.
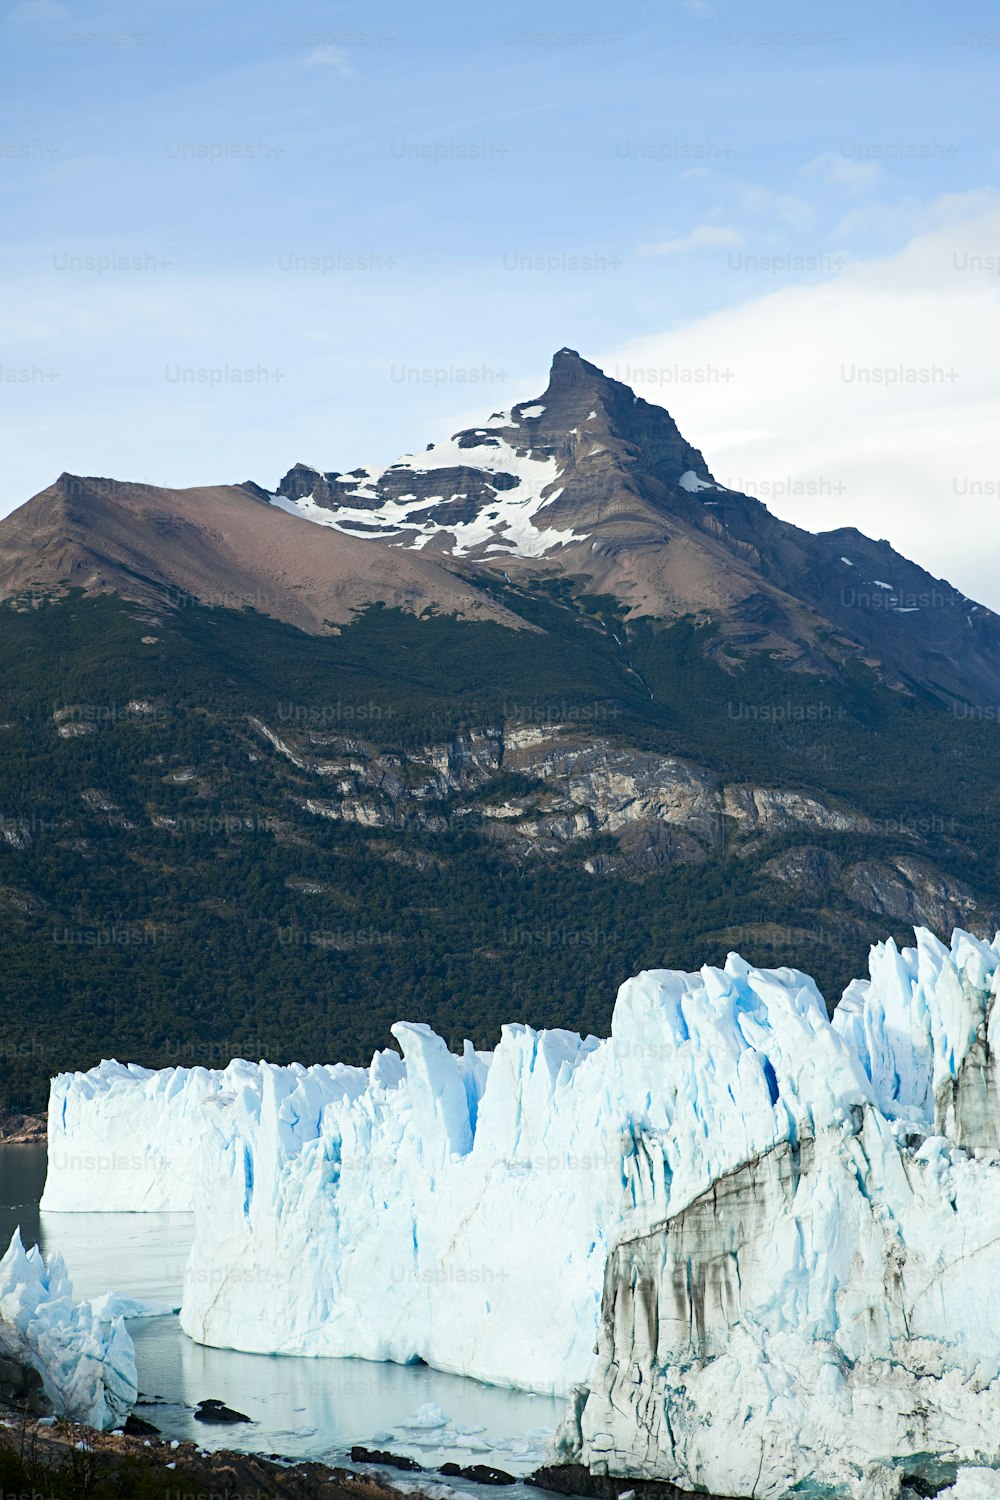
x,y
165,897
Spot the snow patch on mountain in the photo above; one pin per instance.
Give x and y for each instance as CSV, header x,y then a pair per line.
x,y
690,481
505,522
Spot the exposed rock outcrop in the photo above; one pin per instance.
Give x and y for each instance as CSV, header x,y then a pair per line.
x,y
658,809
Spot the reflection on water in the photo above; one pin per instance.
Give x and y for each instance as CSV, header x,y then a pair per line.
x,y
22,1177
312,1407
304,1408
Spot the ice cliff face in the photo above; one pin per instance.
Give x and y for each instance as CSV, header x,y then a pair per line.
x,y
461,1209
783,1233
819,1314
127,1139
124,1138
86,1367
822,1320
925,1029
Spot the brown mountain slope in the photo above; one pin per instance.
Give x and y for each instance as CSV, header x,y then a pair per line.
x,y
219,546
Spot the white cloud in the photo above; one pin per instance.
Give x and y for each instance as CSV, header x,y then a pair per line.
x,y
879,385
704,237
833,169
330,57
874,222
784,208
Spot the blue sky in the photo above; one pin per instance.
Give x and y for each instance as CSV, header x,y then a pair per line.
x,y
378,210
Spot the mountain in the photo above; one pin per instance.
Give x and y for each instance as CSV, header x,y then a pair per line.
x,y
587,484
591,483
266,785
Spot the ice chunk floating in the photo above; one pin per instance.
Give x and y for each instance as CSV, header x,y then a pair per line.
x,y
783,1234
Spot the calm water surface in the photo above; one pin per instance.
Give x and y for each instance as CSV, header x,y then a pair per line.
x,y
302,1408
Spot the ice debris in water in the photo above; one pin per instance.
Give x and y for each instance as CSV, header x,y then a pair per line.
x,y
87,1369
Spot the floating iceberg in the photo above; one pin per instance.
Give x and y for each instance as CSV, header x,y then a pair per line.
x,y
87,1370
782,1233
111,1305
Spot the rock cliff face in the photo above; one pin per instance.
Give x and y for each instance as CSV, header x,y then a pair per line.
x,y
658,809
584,786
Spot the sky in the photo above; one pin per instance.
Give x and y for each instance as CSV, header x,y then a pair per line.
x,y
238,236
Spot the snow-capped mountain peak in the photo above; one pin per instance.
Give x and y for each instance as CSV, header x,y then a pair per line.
x,y
524,483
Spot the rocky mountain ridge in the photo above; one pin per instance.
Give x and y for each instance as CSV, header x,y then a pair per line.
x,y
216,547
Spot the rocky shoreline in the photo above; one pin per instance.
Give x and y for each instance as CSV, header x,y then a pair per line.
x,y
575,1480
21,1130
56,1458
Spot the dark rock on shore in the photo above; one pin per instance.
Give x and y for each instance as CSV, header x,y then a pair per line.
x,y
361,1455
47,1460
18,1130
21,1387
139,1427
574,1479
478,1473
219,1413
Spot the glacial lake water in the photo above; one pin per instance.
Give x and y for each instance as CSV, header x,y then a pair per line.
x,y
301,1408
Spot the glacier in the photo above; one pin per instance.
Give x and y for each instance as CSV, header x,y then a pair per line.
x,y
755,1249
86,1364
125,1139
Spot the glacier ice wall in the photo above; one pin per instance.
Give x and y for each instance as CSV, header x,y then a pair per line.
x,y
783,1233
87,1367
925,1030
825,1319
127,1139
460,1209
824,1310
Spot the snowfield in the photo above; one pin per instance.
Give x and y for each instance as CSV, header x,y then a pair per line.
x,y
782,1234
507,523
